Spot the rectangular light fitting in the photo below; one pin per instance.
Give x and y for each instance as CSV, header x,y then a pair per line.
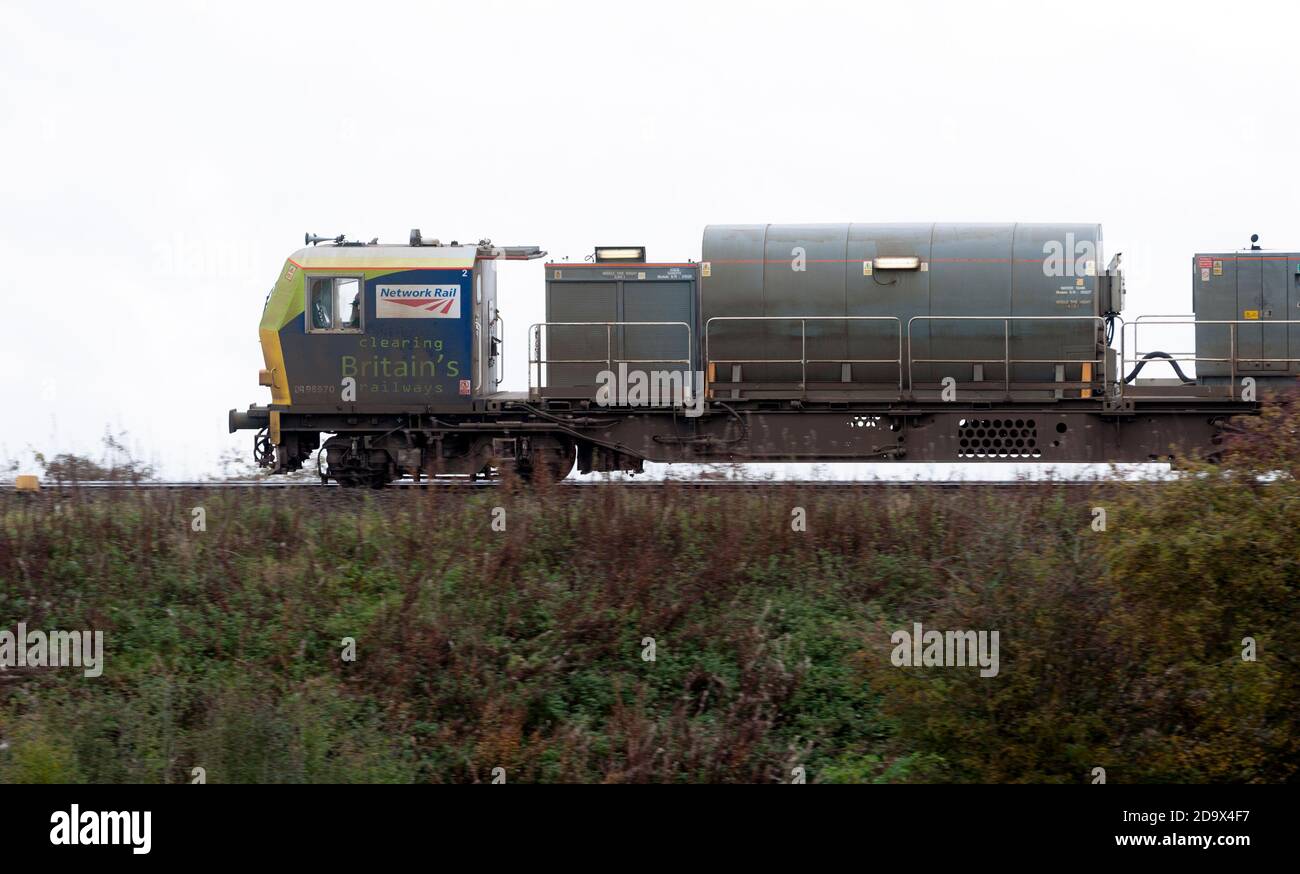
x,y
620,253
897,262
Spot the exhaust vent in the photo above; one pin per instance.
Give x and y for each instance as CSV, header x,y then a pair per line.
x,y
997,438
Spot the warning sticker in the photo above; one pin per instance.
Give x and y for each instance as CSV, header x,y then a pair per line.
x,y
1204,262
706,269
1205,274
1218,268
866,268
1250,314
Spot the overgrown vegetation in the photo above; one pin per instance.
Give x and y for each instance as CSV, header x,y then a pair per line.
x,y
523,649
116,464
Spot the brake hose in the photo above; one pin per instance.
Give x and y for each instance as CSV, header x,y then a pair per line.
x,y
1164,356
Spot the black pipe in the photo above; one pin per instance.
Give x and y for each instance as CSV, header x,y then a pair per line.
x,y
1162,355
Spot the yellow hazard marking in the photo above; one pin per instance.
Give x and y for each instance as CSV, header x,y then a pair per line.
x,y
274,358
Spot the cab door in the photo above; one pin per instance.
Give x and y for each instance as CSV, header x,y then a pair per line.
x,y
1263,287
1250,294
659,344
1275,281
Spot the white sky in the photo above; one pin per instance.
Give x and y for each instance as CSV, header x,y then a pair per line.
x,y
159,160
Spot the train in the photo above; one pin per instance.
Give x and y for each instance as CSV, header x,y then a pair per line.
x,y
781,343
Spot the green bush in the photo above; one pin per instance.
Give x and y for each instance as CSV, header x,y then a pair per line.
x,y
523,649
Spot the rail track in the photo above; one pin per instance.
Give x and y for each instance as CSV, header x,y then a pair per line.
x,y
479,484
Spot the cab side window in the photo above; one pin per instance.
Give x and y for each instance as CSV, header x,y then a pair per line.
x,y
334,304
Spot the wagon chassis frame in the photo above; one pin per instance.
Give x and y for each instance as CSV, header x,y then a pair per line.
x,y
1069,430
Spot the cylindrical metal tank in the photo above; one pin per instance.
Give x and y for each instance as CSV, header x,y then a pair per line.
x,y
943,270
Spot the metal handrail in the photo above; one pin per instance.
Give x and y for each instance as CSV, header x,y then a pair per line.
x,y
535,345
501,370
1182,317
803,360
1233,358
1111,383
1006,360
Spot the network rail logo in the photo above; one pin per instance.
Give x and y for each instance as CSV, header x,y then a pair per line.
x,y
417,302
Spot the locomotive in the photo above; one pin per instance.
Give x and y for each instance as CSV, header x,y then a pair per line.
x,y
807,343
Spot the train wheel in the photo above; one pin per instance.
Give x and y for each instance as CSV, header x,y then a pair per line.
x,y
550,460
352,467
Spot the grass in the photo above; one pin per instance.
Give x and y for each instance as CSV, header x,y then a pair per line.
x,y
479,649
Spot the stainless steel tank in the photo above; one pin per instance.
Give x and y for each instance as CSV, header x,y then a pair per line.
x,y
912,273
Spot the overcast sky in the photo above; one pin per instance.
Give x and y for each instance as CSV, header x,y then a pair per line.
x,y
161,160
